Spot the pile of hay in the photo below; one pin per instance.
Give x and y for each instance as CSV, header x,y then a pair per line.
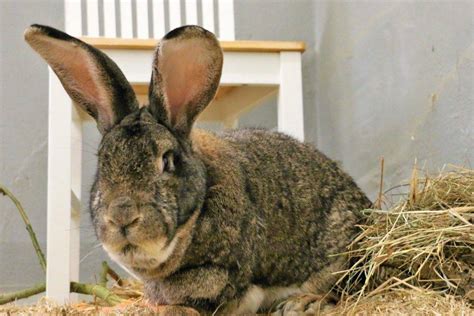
x,y
415,257
418,255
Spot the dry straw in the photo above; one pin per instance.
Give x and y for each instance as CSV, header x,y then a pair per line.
x,y
423,244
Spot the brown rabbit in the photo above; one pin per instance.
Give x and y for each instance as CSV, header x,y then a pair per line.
x,y
234,222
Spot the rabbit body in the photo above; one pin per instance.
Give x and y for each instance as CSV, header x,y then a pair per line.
x,y
232,222
275,210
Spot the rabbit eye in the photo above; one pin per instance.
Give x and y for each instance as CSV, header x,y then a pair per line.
x,y
168,162
165,163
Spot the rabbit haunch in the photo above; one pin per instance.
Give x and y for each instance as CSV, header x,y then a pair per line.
x,y
236,220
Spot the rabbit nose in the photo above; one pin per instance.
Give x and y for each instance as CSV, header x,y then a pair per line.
x,y
123,214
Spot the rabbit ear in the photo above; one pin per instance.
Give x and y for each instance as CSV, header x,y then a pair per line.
x,y
91,79
187,68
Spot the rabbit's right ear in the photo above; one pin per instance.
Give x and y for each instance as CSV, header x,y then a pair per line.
x,y
91,79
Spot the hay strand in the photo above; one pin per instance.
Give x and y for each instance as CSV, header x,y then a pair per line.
x,y
29,228
378,203
103,274
97,291
14,296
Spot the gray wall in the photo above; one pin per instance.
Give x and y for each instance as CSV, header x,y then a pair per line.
x,y
380,78
394,79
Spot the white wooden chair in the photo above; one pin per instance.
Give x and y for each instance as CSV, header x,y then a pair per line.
x,y
253,71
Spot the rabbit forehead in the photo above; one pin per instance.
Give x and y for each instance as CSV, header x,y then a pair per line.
x,y
136,135
128,153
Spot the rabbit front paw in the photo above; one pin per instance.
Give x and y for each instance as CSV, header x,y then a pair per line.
x,y
303,304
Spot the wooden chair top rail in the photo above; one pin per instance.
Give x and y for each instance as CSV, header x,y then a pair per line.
x,y
227,46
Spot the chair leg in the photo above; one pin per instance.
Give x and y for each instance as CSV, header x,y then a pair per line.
x,y
290,96
58,270
76,171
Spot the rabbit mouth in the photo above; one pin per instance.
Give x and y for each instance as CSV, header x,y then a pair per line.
x,y
128,248
144,256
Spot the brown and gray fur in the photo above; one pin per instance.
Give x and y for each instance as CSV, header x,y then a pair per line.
x,y
234,221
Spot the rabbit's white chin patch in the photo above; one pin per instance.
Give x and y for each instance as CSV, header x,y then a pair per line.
x,y
147,255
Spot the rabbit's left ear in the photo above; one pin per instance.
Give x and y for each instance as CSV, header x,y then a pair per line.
x,y
186,72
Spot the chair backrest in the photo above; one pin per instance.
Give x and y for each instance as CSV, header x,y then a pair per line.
x,y
147,18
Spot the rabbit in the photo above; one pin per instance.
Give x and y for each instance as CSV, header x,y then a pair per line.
x,y
234,222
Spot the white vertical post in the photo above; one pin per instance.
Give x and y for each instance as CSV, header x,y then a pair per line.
x,y
158,19
142,19
208,15
58,271
290,96
126,22
226,20
93,17
72,16
76,176
174,14
191,12
109,18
